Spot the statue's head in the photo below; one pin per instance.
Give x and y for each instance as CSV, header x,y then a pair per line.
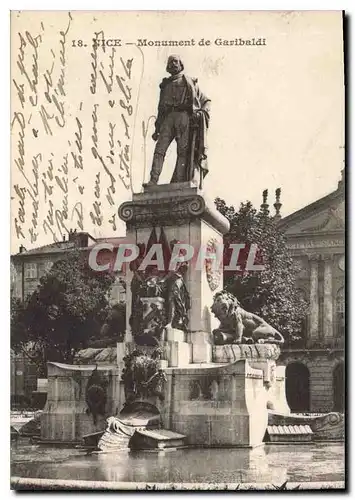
x,y
174,65
224,305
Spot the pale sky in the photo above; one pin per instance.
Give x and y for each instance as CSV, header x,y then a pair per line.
x,y
277,110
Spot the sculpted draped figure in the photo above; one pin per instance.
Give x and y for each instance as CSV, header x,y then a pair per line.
x,y
183,115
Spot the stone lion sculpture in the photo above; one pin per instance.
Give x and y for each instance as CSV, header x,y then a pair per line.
x,y
238,326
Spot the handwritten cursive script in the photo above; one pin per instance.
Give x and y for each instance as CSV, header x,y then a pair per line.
x,y
72,127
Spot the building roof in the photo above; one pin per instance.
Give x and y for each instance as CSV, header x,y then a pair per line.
x,y
64,246
313,208
56,247
114,241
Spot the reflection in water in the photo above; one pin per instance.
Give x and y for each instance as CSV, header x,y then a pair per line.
x,y
188,466
272,464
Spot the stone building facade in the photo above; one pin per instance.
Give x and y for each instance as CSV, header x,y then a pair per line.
x,y
28,266
315,368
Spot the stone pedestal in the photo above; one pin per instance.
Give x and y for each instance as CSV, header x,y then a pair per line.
x,y
65,417
184,214
226,403
261,357
201,347
277,401
216,406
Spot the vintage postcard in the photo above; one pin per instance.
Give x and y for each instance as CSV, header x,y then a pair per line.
x,y
178,250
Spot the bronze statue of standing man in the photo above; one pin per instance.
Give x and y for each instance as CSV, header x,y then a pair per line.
x,y
183,115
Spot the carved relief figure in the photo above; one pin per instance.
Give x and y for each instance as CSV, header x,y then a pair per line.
x,y
238,326
96,395
148,309
178,299
158,303
183,115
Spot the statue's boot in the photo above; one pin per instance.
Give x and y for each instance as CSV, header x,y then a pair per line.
x,y
181,173
157,166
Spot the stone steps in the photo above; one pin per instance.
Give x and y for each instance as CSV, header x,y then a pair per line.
x,y
289,433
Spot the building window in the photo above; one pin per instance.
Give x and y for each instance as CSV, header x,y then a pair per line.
x,y
30,270
340,313
44,268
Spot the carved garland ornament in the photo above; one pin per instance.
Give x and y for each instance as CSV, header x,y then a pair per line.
x,y
214,276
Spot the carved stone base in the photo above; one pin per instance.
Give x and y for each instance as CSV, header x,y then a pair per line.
x,y
66,416
201,347
201,353
216,406
260,357
234,352
276,396
177,353
175,335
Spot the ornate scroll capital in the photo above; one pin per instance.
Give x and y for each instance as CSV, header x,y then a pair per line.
x,y
126,211
171,205
313,257
196,206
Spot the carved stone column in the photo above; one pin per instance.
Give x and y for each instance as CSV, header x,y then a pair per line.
x,y
314,305
328,297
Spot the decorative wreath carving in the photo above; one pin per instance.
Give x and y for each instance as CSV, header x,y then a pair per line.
x,y
214,274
